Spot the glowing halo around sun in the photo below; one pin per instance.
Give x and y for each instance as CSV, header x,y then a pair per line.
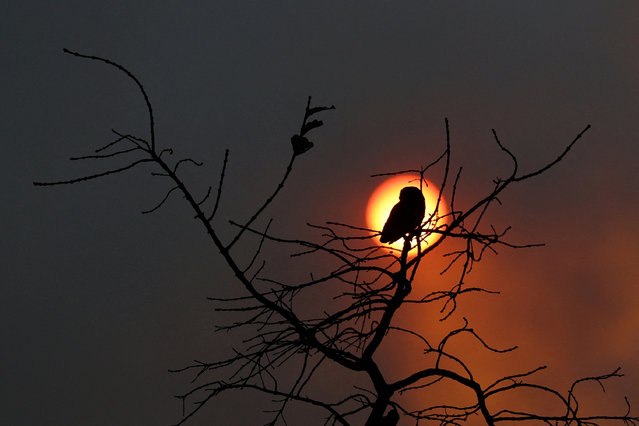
x,y
386,195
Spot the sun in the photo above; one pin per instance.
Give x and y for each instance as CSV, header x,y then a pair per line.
x,y
386,195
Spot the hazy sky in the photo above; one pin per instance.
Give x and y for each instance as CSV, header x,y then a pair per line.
x,y
100,301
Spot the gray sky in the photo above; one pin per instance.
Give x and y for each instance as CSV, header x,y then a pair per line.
x,y
100,301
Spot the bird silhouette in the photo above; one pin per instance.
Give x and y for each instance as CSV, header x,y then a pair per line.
x,y
405,216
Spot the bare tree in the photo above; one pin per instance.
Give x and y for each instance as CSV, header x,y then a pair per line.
x,y
365,286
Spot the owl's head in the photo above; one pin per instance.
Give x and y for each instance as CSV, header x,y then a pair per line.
x,y
410,193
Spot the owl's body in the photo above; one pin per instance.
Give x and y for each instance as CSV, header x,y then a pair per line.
x,y
405,216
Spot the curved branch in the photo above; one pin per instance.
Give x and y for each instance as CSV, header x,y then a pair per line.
x,y
556,160
132,77
440,372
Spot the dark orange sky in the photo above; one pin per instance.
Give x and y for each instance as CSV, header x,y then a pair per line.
x,y
99,301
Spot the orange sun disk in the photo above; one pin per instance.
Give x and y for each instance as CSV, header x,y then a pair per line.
x,y
386,196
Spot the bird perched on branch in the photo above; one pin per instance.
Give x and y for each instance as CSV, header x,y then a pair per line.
x,y
405,216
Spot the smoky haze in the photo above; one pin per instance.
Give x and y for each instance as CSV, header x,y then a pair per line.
x,y
100,301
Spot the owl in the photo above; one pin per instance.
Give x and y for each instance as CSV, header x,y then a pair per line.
x,y
405,216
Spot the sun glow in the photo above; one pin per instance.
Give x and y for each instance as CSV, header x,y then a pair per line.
x,y
386,196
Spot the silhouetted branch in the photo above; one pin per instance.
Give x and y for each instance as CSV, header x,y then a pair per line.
x,y
95,176
166,197
556,160
132,77
219,186
113,154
